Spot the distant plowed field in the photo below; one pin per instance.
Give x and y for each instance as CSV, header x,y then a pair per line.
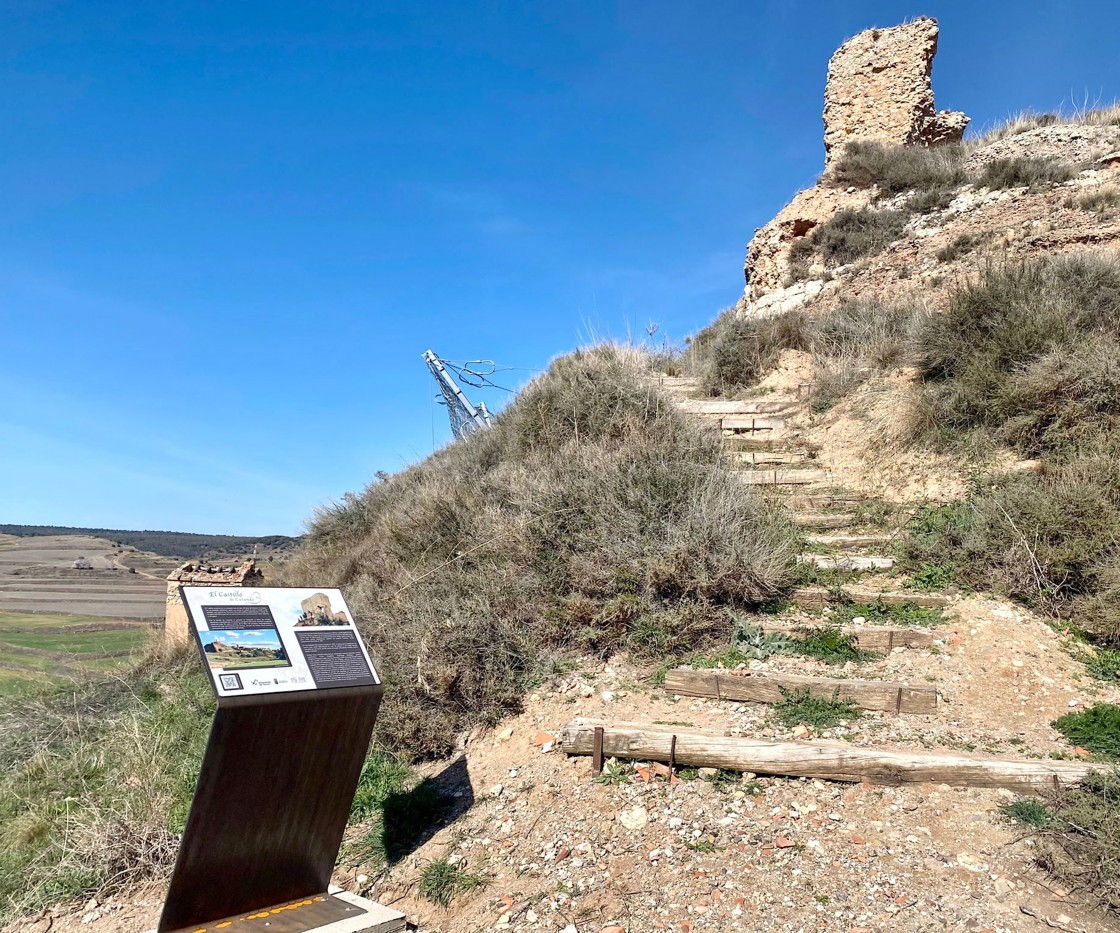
x,y
60,624
38,575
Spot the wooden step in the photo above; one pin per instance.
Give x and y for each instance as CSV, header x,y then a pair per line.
x,y
848,542
737,442
752,424
769,456
823,519
679,382
868,637
817,597
718,406
826,500
845,562
832,761
783,477
769,687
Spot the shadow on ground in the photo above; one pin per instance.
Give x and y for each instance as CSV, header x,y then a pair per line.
x,y
411,818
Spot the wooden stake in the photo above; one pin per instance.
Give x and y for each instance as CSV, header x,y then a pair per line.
x,y
597,753
837,761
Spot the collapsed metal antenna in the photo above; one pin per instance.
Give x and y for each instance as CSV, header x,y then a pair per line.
x,y
465,418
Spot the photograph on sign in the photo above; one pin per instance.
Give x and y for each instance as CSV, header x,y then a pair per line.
x,y
261,640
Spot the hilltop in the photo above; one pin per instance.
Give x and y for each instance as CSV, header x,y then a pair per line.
x,y
893,463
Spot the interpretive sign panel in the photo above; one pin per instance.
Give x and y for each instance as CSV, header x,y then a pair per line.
x,y
297,701
267,640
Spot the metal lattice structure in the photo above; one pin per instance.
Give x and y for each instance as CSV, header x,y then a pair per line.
x,y
465,418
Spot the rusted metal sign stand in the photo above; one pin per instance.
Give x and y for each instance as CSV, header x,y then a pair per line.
x,y
297,701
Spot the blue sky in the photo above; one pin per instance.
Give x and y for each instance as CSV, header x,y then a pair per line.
x,y
229,230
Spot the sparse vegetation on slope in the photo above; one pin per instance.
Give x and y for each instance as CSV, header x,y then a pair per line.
x,y
846,342
1106,115
898,169
1082,846
1026,357
1024,172
848,235
591,517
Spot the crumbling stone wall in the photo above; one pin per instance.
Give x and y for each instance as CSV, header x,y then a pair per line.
x,y
879,89
176,626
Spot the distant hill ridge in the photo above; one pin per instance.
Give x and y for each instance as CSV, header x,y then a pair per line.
x,y
183,544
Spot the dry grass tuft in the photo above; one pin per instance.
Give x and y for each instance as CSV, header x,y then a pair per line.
x,y
1085,113
897,169
848,343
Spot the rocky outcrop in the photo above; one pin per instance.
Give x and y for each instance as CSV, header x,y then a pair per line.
x,y
767,268
879,90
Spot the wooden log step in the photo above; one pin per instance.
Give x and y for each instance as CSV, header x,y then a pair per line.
x,y
830,761
783,477
751,423
846,562
868,637
762,441
824,501
769,456
767,687
848,542
817,597
679,382
823,519
710,406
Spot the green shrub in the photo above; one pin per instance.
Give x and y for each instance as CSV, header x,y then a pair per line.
x,y
1029,812
852,234
735,351
895,169
879,613
442,881
1044,539
1103,663
930,578
1027,356
1096,729
830,644
1024,171
847,342
801,707
752,642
